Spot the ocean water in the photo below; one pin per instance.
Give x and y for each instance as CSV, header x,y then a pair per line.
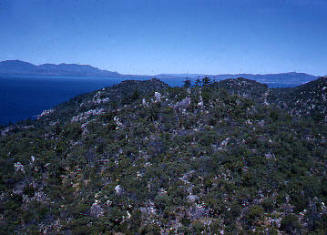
x,y
26,97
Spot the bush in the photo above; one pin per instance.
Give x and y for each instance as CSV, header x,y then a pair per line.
x,y
268,204
290,224
254,214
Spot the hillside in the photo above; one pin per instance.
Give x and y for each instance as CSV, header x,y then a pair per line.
x,y
246,88
145,158
305,100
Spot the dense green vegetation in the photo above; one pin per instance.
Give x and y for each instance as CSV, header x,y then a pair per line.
x,y
308,99
145,158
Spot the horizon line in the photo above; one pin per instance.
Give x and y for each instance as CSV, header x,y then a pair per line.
x,y
158,74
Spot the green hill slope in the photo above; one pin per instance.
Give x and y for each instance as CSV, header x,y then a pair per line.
x,y
142,157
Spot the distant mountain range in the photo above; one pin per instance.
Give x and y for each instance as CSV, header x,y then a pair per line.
x,y
17,67
24,68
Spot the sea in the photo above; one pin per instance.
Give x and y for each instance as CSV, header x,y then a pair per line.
x,y
25,97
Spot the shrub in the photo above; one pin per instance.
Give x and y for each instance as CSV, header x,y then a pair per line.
x,y
290,224
254,214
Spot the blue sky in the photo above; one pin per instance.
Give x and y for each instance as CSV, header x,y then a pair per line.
x,y
169,36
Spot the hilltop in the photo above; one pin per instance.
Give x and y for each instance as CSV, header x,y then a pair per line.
x,y
145,158
289,79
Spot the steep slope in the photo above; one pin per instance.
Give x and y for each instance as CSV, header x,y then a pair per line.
x,y
142,157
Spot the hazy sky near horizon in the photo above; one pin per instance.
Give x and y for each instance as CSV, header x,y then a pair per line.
x,y
169,36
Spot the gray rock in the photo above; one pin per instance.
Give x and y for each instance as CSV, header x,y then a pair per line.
x,y
96,210
118,190
192,198
225,142
183,104
197,211
148,210
157,97
19,167
261,123
270,156
40,196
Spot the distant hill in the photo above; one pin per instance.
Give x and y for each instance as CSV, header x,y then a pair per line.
x,y
17,67
292,77
308,99
21,67
282,78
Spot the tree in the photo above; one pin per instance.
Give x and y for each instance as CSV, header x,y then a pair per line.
x,y
198,83
290,224
136,95
206,81
187,83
